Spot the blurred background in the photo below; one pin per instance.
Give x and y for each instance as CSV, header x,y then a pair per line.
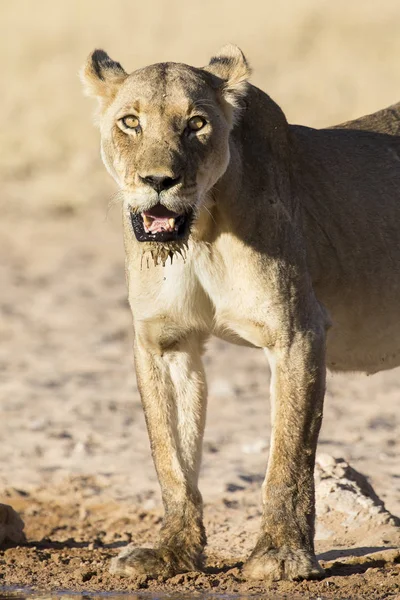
x,y
322,61
69,402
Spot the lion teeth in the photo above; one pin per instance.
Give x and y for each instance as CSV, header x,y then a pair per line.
x,y
147,220
171,223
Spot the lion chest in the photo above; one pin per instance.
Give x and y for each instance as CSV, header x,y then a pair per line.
x,y
207,294
238,297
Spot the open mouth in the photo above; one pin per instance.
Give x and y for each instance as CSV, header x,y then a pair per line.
x,y
160,225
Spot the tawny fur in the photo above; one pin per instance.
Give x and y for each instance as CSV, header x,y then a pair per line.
x,y
295,248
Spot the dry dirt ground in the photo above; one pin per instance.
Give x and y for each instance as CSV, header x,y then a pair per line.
x,y
75,460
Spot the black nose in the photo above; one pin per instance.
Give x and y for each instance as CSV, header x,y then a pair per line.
x,y
160,183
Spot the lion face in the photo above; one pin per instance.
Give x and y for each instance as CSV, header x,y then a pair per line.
x,y
165,135
165,139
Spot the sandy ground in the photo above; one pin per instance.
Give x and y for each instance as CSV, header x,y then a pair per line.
x,y
75,456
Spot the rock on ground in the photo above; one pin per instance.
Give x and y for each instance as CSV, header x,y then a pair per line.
x,y
11,526
349,512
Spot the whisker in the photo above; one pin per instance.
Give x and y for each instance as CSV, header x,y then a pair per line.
x,y
116,198
211,215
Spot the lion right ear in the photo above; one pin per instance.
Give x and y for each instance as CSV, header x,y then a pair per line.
x,y
101,76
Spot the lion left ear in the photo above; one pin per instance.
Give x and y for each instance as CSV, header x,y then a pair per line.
x,y
101,76
230,65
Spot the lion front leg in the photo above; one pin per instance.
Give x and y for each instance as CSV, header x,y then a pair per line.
x,y
285,548
173,392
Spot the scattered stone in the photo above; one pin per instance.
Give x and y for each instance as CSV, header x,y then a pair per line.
x,y
230,503
251,478
11,526
233,487
257,447
87,575
75,562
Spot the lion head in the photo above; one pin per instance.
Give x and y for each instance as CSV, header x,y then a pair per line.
x,y
165,136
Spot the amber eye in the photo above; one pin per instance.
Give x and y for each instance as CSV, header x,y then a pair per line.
x,y
196,123
130,122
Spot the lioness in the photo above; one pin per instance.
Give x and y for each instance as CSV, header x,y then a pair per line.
x,y
264,234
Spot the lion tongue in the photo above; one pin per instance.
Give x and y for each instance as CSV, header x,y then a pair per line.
x,y
157,224
159,218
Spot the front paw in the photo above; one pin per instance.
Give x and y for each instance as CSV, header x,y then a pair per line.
x,y
275,564
153,563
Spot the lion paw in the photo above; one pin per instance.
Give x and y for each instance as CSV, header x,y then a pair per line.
x,y
11,526
282,563
136,562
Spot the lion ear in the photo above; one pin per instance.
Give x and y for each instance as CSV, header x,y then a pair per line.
x,y
230,66
101,76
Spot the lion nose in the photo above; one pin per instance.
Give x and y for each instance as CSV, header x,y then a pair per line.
x,y
160,182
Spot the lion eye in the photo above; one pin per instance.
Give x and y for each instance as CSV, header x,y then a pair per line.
x,y
196,123
130,122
